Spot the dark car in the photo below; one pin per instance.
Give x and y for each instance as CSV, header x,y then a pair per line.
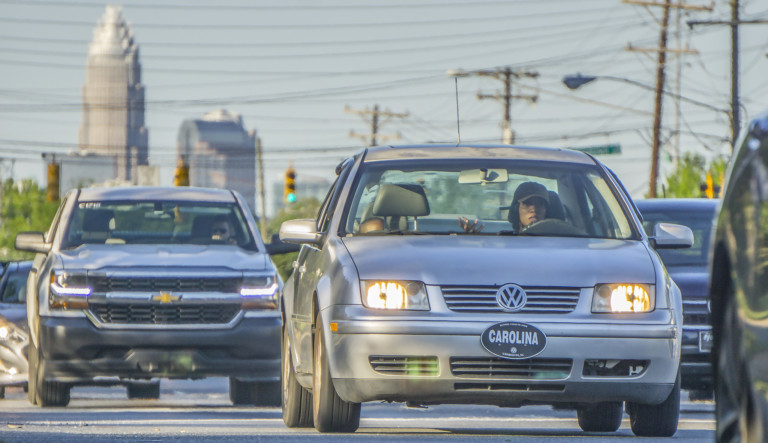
x,y
690,270
135,284
739,292
14,338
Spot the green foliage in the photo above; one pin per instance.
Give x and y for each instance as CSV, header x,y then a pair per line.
x,y
23,207
689,175
302,208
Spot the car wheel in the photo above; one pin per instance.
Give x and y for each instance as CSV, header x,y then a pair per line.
x,y
601,417
297,400
329,412
240,392
656,420
143,390
41,392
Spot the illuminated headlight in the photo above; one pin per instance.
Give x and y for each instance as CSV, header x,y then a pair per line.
x,y
9,332
411,295
259,292
68,291
623,297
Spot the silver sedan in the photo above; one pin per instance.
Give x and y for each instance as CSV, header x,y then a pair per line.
x,y
494,275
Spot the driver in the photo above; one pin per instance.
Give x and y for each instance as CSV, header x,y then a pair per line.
x,y
529,204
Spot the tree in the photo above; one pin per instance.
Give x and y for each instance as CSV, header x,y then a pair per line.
x,y
691,173
302,208
23,207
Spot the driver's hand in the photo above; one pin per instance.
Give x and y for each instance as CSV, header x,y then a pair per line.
x,y
470,227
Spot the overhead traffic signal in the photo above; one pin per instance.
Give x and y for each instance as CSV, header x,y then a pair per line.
x,y
289,190
52,191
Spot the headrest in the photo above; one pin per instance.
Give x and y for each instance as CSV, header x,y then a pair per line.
x,y
400,200
97,220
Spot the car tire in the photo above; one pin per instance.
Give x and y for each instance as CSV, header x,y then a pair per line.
x,y
296,399
656,420
240,392
601,417
329,412
31,372
41,392
143,390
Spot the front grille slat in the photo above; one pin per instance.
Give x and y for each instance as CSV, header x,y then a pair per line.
x,y
483,299
405,365
536,368
180,314
164,284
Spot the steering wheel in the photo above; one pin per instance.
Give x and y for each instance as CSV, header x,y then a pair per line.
x,y
553,226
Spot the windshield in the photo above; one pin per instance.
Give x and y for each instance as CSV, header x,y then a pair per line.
x,y
157,222
700,223
506,197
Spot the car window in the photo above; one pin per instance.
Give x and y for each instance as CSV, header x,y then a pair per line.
x,y
157,222
15,288
429,197
700,223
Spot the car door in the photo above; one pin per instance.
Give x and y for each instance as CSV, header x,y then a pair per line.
x,y
309,268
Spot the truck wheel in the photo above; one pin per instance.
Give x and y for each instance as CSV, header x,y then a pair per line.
x,y
143,390
41,392
656,420
601,417
329,412
297,400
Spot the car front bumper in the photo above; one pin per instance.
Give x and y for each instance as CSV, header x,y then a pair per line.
x,y
76,351
404,345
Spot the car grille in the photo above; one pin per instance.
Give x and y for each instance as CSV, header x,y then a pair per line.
x,y
147,284
404,365
137,313
488,367
695,312
541,300
508,387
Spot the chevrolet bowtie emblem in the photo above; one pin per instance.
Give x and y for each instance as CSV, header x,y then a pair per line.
x,y
165,297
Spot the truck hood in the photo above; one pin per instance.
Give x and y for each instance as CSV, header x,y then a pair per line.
x,y
184,258
492,260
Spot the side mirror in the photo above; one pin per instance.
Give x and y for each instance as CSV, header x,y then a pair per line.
x,y
671,236
303,230
32,241
278,247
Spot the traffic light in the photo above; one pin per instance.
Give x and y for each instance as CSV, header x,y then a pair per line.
x,y
52,192
289,191
181,174
708,188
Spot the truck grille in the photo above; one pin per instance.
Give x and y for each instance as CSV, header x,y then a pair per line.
x,y
498,368
695,312
169,284
541,300
137,313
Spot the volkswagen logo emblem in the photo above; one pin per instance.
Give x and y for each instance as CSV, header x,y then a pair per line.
x,y
511,298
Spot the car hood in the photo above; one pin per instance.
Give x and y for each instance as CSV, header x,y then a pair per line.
x,y
149,257
693,281
491,260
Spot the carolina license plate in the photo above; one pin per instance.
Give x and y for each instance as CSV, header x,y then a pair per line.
x,y
705,340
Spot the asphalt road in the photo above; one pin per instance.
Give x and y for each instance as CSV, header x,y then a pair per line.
x,y
200,411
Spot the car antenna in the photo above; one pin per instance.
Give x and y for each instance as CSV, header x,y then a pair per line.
x,y
458,126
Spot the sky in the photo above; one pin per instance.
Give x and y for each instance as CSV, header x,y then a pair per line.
x,y
293,69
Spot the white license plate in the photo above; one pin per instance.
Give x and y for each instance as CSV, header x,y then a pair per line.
x,y
705,340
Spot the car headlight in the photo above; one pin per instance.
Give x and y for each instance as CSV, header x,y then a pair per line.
x,y
259,292
382,294
623,297
68,291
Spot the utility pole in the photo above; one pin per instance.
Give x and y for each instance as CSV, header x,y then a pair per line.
x,y
734,24
505,75
377,119
262,197
660,66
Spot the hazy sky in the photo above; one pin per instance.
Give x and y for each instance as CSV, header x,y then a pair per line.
x,y
290,68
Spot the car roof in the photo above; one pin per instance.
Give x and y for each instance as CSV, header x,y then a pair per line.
x,y
157,193
678,204
472,151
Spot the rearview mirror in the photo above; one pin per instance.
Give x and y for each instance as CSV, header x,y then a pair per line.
x,y
671,236
483,175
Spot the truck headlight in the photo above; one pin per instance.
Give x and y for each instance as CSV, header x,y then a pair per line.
x,y
68,291
623,297
382,294
259,292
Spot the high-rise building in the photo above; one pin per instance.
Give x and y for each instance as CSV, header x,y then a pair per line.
x,y
113,98
220,153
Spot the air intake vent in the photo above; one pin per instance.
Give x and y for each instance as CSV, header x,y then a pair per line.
x,y
498,368
405,365
521,387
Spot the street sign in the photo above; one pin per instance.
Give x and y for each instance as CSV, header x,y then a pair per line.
x,y
599,149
